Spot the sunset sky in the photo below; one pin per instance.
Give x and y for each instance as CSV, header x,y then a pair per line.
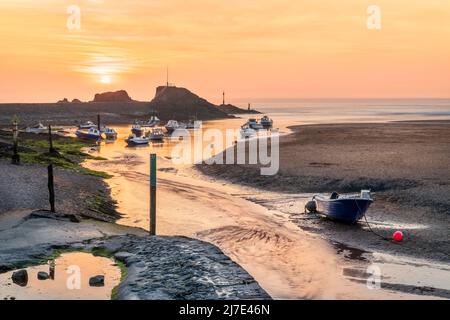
x,y
252,49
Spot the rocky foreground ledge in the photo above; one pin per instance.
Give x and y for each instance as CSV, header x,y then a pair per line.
x,y
157,267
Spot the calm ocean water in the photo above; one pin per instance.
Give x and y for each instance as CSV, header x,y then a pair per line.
x,y
332,111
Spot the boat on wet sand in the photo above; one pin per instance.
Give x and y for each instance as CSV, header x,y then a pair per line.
x,y
109,133
134,140
266,122
348,208
92,133
254,124
155,134
247,132
38,128
87,125
173,125
151,123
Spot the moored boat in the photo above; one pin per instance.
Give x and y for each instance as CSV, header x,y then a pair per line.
x,y
173,125
349,209
92,133
87,125
247,132
155,134
38,128
109,133
254,124
151,123
266,122
135,140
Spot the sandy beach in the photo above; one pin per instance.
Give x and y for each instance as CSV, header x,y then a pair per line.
x,y
405,164
259,223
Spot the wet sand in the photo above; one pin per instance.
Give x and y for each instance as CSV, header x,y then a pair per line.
x,y
405,164
287,261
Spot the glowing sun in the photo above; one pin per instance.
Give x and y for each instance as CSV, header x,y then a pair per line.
x,y
106,79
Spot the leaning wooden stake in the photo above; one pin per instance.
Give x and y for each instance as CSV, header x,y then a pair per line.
x,y
51,150
153,194
51,188
16,156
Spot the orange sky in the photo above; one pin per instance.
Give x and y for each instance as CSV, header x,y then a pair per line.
x,y
250,48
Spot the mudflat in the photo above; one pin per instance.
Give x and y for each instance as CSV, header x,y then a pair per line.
x,y
405,164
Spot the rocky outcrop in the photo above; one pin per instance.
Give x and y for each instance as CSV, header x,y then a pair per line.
x,y
182,104
117,96
160,267
230,109
65,100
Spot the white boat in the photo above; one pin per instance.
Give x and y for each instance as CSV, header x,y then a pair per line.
x,y
254,124
173,125
109,133
135,140
152,122
87,125
39,128
155,134
247,132
92,133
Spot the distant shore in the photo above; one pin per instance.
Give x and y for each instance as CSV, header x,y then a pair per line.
x,y
405,164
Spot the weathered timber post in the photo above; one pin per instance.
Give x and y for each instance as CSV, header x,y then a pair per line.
x,y
16,156
51,188
153,194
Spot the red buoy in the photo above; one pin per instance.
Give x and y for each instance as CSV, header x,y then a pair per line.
x,y
397,236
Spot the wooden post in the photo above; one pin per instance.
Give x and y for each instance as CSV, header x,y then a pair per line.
x,y
51,188
51,150
153,194
98,122
16,156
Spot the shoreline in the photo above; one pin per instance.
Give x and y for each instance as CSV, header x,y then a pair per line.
x,y
30,237
241,235
411,199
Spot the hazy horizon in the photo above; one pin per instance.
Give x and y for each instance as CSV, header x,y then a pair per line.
x,y
313,49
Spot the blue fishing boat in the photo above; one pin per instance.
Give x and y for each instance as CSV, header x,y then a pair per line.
x,y
348,208
92,133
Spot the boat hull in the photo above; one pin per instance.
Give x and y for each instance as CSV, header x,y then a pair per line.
x,y
345,210
83,135
266,124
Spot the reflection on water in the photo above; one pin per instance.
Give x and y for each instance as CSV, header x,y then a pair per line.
x,y
63,279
